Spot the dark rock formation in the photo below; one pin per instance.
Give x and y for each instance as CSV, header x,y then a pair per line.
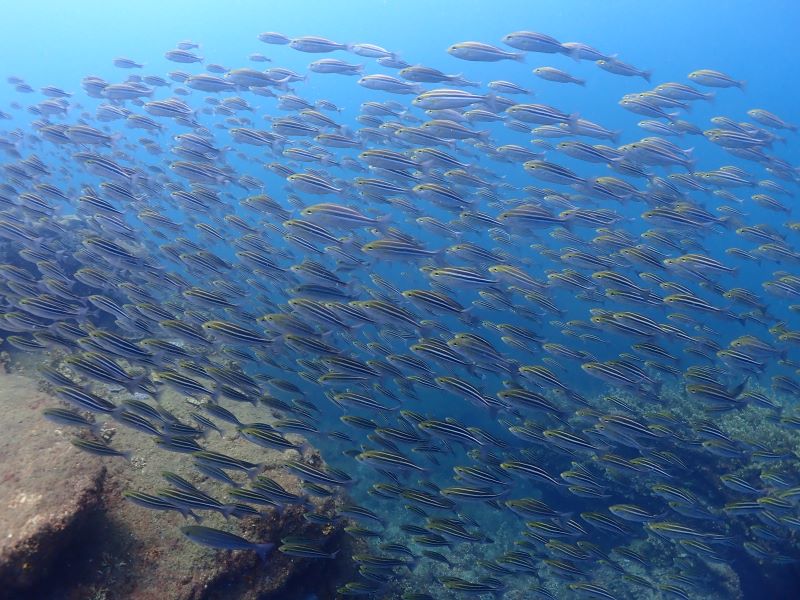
x,y
68,533
48,489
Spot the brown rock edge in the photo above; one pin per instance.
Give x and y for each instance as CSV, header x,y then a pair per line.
x,y
67,533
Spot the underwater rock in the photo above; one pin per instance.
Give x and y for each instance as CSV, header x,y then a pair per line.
x,y
69,533
147,557
47,487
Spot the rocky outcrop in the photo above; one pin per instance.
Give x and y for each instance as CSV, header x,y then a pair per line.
x,y
48,489
155,561
68,533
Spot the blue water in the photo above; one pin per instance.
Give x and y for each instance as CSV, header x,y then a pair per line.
x,y
52,43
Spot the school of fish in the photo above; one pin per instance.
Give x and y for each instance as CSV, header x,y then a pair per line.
x,y
561,355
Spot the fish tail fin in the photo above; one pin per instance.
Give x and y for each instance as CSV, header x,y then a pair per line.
x,y
263,550
254,470
581,82
647,75
737,391
440,257
328,161
227,510
426,329
710,97
742,85
573,53
214,395
197,518
383,222
135,384
572,121
490,100
137,179
158,393
519,57
691,161
587,185
283,84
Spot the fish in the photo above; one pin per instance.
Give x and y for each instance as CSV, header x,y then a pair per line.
x,y
305,551
711,78
557,75
532,41
480,51
224,540
613,65
559,338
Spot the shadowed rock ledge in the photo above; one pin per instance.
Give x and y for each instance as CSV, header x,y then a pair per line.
x,y
69,534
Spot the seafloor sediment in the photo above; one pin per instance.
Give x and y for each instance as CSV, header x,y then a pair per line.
x,y
68,532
